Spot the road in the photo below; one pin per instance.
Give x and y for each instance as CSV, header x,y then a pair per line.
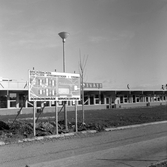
x,y
134,147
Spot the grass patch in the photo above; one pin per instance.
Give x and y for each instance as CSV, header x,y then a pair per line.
x,y
94,120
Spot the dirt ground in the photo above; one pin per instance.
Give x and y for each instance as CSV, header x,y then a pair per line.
x,y
162,164
13,128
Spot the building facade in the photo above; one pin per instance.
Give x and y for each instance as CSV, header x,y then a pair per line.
x,y
14,95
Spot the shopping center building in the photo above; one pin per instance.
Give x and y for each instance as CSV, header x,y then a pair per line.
x,y
14,95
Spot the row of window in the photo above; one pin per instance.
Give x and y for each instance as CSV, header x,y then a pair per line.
x,y
20,100
134,99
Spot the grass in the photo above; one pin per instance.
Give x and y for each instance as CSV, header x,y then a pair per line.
x,y
94,119
134,115
123,116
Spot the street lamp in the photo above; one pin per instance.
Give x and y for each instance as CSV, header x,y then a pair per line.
x,y
64,35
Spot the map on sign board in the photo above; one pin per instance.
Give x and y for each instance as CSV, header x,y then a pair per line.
x,y
53,86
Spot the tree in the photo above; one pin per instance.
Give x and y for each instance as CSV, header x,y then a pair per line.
x,y
82,65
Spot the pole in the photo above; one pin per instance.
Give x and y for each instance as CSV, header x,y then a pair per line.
x,y
64,61
34,123
76,121
56,117
65,115
64,35
64,102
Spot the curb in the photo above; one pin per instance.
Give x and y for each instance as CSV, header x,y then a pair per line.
x,y
49,137
83,132
46,137
134,126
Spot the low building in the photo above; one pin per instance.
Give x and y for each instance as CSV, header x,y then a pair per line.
x,y
14,95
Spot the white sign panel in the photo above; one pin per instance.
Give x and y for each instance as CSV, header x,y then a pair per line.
x,y
53,86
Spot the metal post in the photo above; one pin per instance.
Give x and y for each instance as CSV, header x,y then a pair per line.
x,y
65,115
76,117
56,117
64,102
64,62
34,122
64,35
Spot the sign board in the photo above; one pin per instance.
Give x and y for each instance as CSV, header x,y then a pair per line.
x,y
92,85
53,86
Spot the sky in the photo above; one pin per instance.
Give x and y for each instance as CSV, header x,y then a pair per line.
x,y
124,41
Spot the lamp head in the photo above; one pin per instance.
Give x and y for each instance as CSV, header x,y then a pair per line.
x,y
64,35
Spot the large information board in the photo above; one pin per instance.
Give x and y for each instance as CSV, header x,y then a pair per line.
x,y
53,86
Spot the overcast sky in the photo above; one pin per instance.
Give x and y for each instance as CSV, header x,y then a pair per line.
x,y
125,40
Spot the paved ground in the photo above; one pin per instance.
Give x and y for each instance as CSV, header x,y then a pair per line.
x,y
134,147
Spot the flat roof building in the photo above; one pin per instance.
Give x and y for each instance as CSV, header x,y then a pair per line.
x,y
14,94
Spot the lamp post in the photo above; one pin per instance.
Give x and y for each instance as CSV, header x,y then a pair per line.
x,y
64,35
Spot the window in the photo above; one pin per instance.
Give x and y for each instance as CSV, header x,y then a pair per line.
x,y
134,100
102,98
125,99
69,103
86,100
12,99
3,101
96,99
137,99
107,100
141,99
38,103
79,102
146,99
30,103
12,96
121,99
53,103
91,99
60,102
47,103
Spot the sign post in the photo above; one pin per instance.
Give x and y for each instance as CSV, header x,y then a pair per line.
x,y
34,118
76,116
53,86
56,117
